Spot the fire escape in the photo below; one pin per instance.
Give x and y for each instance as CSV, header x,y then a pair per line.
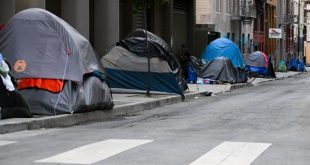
x,y
247,11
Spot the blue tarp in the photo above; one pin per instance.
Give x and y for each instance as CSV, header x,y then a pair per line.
x,y
163,82
192,76
224,47
260,70
296,65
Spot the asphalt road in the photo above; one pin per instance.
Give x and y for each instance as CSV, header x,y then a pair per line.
x,y
268,124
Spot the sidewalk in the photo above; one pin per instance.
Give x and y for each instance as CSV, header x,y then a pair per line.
x,y
125,104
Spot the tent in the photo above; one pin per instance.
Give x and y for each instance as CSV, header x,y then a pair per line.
x,y
220,69
296,65
223,47
226,48
259,65
127,65
45,52
257,62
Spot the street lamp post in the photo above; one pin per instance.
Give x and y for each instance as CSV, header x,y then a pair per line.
x,y
298,30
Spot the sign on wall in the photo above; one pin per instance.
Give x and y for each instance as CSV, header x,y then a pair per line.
x,y
272,2
275,33
204,11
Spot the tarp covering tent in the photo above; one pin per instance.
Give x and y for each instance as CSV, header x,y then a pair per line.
x,y
259,65
226,48
42,47
296,65
223,47
220,69
127,65
257,62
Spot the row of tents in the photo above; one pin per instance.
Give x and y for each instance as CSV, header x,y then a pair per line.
x,y
58,72
222,61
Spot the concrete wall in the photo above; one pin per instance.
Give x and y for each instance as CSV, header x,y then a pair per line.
x,y
160,21
76,13
182,29
7,10
223,20
247,30
106,24
236,29
25,4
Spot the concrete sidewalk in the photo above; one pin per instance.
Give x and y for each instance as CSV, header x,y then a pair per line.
x,y
125,104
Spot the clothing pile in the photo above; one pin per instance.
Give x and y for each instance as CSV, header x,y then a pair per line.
x,y
12,104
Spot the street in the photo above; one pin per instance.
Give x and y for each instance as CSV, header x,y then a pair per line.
x,y
267,124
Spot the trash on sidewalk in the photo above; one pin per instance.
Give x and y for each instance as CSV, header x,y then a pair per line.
x,y
282,67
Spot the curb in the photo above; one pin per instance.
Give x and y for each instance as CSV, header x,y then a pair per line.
x,y
94,116
100,115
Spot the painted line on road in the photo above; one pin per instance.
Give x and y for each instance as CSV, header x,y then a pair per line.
x,y
232,153
3,143
95,152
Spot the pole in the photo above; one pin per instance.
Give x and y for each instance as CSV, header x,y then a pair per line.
x,y
148,54
298,30
148,67
281,10
278,54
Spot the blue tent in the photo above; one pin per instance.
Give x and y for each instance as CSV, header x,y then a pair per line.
x,y
226,48
257,62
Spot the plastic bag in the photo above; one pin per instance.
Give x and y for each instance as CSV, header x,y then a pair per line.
x,y
282,67
4,68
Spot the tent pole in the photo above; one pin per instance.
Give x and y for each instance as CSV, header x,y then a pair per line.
x,y
148,67
148,94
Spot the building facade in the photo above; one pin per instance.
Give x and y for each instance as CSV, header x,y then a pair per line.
x,y
266,12
105,22
227,18
307,33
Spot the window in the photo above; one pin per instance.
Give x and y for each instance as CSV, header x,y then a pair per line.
x,y
228,35
228,6
218,5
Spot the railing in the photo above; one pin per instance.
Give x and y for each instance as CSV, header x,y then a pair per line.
x,y
244,9
247,9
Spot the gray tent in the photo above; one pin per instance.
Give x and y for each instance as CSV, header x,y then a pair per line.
x,y
127,65
38,44
221,69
